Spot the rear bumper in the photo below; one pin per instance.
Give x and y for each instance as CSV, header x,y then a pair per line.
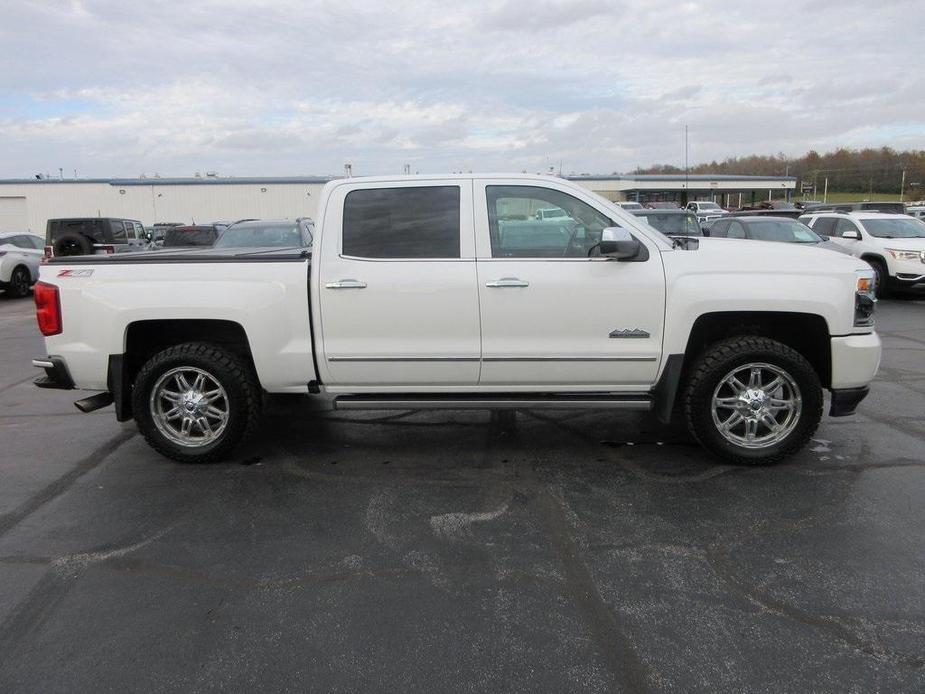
x,y
855,360
56,374
845,401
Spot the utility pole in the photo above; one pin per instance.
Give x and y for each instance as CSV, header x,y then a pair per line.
x,y
825,195
902,185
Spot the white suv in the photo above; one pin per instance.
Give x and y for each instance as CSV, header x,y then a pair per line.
x,y
20,255
706,210
893,244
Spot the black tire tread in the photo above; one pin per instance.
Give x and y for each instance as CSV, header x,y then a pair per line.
x,y
11,290
727,349
883,278
229,366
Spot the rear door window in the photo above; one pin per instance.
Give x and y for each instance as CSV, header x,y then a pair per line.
x,y
117,227
420,222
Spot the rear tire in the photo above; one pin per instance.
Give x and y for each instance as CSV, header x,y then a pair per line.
x,y
20,281
195,402
752,400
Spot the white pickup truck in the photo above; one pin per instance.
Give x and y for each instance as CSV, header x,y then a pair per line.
x,y
449,292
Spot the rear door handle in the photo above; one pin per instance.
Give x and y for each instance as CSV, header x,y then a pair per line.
x,y
346,284
507,282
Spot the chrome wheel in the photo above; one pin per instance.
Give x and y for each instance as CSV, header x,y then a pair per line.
x,y
756,405
189,406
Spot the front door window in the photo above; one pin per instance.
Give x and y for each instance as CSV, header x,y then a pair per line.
x,y
533,222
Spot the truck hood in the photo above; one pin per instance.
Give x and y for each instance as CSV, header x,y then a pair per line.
x,y
745,254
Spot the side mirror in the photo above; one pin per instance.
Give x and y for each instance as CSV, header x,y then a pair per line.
x,y
851,234
618,243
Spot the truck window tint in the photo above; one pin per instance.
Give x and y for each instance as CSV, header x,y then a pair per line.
x,y
402,223
118,231
521,228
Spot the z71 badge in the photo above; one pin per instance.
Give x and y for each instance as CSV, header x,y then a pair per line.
x,y
75,273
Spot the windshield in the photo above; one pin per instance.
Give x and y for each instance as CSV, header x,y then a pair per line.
x,y
895,228
270,235
790,231
708,206
673,224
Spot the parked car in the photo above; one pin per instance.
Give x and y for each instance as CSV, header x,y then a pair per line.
x,y
793,213
893,244
705,210
268,233
862,206
413,299
20,256
917,211
763,228
662,205
196,236
671,222
629,205
89,235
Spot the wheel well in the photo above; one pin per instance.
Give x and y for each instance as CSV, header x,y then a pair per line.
x,y
144,339
807,333
878,258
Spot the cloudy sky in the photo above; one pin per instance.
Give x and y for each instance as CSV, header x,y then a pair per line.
x,y
292,87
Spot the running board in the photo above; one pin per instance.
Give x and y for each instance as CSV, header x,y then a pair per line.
x,y
480,401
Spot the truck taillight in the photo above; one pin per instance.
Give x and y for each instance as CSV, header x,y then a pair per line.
x,y
109,250
49,251
47,308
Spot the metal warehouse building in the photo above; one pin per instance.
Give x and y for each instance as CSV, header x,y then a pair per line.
x,y
26,204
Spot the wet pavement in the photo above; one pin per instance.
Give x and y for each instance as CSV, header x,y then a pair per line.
x,y
461,551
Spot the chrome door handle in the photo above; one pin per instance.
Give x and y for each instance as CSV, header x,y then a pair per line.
x,y
346,284
507,282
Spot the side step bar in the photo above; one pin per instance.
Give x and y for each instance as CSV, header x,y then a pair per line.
x,y
480,401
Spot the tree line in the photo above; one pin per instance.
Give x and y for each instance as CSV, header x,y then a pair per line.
x,y
848,170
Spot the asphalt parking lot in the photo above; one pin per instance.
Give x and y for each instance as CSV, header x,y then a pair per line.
x,y
461,551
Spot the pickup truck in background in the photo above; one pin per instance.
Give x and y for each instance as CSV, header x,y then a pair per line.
x,y
451,292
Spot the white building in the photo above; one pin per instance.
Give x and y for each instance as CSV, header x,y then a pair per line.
x,y
27,204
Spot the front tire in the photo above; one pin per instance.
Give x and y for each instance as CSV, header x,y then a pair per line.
x,y
752,400
195,402
881,279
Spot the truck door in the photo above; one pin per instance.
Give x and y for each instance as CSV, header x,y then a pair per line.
x,y
552,315
397,286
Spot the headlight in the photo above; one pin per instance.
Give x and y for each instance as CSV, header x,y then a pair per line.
x,y
905,255
865,300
